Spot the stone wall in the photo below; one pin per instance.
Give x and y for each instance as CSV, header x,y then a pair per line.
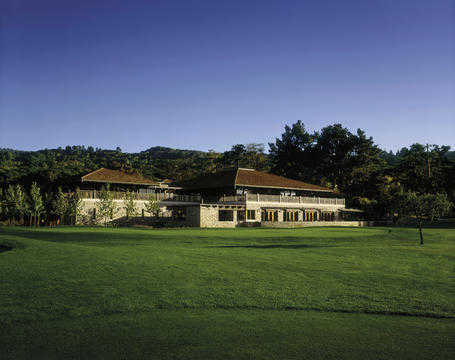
x,y
89,210
209,215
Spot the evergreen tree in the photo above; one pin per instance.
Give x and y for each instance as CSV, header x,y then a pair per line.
x,y
291,155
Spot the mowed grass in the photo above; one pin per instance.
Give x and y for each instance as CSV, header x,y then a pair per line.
x,y
96,293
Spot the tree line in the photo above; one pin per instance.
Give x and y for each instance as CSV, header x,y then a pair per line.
x,y
348,162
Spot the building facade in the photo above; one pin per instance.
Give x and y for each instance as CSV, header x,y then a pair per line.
x,y
226,199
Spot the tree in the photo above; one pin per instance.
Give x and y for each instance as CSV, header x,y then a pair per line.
x,y
60,204
10,203
152,206
2,202
75,206
423,207
106,204
21,202
129,204
424,168
291,156
36,203
15,203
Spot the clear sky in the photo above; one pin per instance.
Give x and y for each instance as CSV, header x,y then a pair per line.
x,y
210,74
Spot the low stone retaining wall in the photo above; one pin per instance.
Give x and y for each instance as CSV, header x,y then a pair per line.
x,y
285,224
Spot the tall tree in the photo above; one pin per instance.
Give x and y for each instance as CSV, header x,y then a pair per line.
x,y
15,203
424,168
290,155
75,206
21,202
36,203
250,155
60,205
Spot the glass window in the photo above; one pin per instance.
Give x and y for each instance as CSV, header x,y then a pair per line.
x,y
226,215
179,213
251,214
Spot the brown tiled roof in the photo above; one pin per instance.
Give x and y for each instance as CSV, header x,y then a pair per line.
x,y
117,177
220,179
248,177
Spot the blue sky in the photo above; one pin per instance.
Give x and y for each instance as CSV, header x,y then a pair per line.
x,y
210,74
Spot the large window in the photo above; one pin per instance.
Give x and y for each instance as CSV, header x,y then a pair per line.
x,y
226,215
328,216
310,216
240,215
179,213
291,215
269,215
251,214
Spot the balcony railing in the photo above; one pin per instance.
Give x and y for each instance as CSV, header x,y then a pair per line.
x,y
118,195
294,199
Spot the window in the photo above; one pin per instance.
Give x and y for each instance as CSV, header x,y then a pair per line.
x,y
226,215
328,216
241,215
251,214
179,213
269,215
291,215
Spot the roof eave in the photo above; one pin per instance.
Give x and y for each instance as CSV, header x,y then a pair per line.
x,y
285,188
120,182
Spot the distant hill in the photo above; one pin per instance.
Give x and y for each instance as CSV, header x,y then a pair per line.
x,y
161,152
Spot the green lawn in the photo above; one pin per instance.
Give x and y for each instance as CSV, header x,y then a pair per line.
x,y
328,293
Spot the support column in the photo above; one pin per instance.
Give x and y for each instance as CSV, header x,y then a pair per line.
x,y
280,215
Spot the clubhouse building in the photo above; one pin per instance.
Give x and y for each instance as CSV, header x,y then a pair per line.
x,y
228,198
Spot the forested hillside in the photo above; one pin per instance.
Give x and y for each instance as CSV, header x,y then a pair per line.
x,y
334,157
64,167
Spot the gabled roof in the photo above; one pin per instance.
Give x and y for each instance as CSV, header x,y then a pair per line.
x,y
220,179
117,177
250,178
254,178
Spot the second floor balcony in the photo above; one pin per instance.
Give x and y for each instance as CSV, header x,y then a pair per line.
x,y
231,199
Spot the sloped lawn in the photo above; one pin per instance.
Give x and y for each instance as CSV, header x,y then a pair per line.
x,y
228,294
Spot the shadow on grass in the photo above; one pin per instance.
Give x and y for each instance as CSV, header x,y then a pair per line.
x,y
4,248
79,236
275,246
